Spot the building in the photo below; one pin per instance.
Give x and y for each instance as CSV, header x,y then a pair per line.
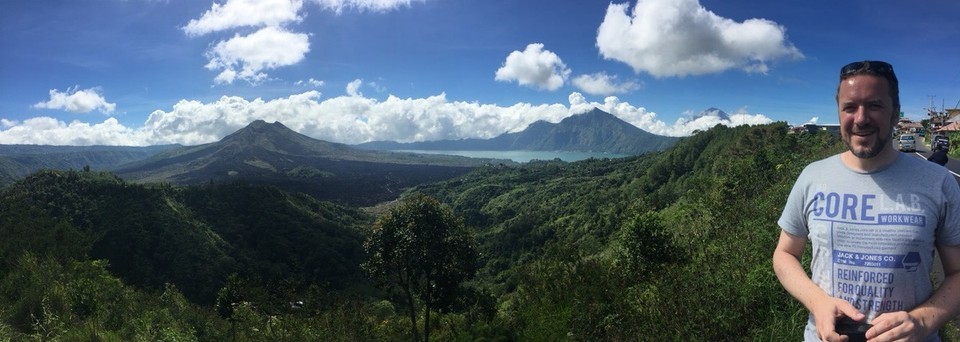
x,y
907,126
813,128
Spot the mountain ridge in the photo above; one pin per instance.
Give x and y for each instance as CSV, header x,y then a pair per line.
x,y
593,131
18,161
271,153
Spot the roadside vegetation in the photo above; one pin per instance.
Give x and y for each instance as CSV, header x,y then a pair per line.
x,y
673,245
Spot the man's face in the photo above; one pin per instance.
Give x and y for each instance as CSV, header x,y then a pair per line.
x,y
867,116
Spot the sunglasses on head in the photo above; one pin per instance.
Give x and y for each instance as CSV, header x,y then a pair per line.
x,y
869,67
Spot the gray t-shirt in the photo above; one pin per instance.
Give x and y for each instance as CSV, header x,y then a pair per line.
x,y
873,234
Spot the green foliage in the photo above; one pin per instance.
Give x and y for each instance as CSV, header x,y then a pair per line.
x,y
666,246
954,139
645,245
566,296
661,246
82,301
26,229
420,249
190,237
43,298
228,297
274,235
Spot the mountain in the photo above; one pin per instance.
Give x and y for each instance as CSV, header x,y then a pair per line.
x,y
601,249
274,154
713,112
593,131
18,161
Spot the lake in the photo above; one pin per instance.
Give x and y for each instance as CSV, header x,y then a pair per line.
x,y
525,156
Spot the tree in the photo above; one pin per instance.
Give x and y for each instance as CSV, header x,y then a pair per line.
x,y
420,250
645,245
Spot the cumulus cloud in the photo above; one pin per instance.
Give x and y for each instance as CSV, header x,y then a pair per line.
x,y
50,131
241,13
353,88
603,84
534,67
246,57
347,119
364,5
77,101
680,37
6,123
273,45
688,126
344,119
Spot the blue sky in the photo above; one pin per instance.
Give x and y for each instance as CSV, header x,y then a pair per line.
x,y
143,72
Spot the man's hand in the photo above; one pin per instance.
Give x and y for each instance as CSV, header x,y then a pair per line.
x,y
896,326
825,315
825,309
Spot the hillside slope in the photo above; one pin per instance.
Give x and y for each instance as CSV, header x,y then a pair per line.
x,y
615,248
192,237
662,246
18,161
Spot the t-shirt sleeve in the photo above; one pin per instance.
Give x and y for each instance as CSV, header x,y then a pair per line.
x,y
793,220
949,233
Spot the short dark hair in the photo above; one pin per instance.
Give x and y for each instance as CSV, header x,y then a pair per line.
x,y
875,68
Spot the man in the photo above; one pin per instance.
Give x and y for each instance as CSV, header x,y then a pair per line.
x,y
873,216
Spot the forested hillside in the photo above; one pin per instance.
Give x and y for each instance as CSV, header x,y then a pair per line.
x,y
18,161
666,246
190,237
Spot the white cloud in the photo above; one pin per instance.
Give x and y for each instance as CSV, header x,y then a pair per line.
x,y
50,131
680,37
245,13
353,88
364,5
344,119
77,101
708,119
603,84
5,123
311,82
246,57
534,67
272,46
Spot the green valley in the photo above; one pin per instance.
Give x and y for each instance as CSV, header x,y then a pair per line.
x,y
670,245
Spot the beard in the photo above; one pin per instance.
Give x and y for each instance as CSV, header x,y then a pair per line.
x,y
867,152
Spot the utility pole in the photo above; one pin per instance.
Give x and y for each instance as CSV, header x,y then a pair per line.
x,y
935,115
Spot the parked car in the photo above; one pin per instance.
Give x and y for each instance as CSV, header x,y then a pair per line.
x,y
907,142
939,142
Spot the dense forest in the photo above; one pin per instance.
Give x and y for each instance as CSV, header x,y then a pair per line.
x,y
673,245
